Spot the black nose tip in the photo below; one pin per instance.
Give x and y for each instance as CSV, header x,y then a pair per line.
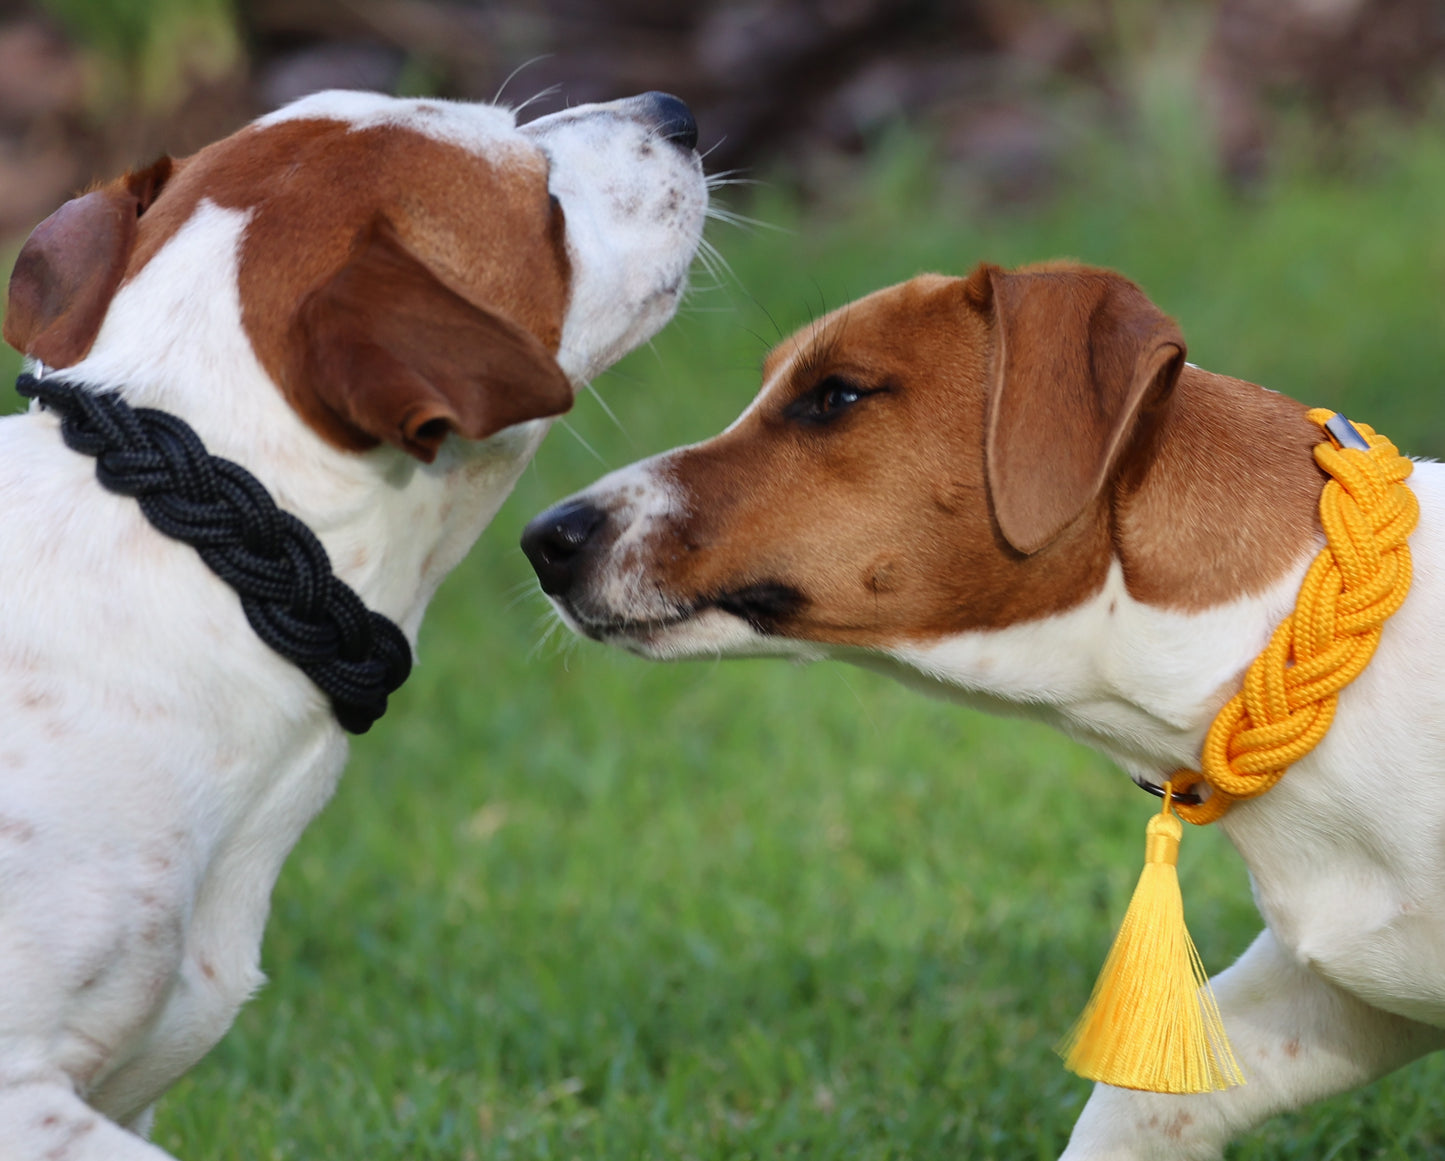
x,y
674,120
556,540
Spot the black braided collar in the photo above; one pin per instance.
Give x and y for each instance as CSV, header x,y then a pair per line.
x,y
273,561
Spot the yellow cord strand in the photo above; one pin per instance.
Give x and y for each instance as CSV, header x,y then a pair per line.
x,y
1151,1021
1357,581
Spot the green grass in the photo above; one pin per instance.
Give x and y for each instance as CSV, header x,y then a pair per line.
x,y
571,904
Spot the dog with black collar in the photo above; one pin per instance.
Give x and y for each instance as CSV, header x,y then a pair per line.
x,y
370,309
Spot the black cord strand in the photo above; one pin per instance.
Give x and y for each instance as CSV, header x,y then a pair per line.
x,y
274,562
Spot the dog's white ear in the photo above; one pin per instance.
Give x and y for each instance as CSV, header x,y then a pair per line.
x,y
1079,355
72,264
392,354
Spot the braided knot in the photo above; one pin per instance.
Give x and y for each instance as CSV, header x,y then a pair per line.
x,y
275,563
1355,583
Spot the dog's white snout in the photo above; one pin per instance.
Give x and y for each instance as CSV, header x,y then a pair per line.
x,y
634,206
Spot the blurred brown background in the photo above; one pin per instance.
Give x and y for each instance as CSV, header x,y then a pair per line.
x,y
796,89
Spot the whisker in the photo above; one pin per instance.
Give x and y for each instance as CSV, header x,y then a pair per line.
x,y
863,707
578,436
622,376
742,221
690,311
549,91
714,262
696,287
519,601
716,183
763,340
549,623
757,302
726,177
723,175
511,76
708,259
563,642
607,411
525,585
521,598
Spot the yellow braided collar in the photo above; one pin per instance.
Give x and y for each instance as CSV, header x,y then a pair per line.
x,y
1359,578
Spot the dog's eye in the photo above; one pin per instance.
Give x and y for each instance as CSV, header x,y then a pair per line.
x,y
828,400
838,396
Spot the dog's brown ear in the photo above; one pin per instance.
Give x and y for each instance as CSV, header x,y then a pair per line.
x,y
395,355
71,265
1078,355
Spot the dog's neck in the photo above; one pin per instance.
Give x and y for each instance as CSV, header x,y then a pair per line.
x,y
393,527
1209,539
1137,682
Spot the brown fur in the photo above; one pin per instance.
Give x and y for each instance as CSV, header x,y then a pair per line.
x,y
474,249
1055,397
1062,411
1223,497
71,265
388,351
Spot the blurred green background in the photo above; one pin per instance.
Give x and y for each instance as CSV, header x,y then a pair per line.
x,y
571,904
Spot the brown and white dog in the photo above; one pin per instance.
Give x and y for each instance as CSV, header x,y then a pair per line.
x,y
375,306
1012,490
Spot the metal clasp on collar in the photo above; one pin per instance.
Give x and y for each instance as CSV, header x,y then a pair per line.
x,y
1344,433
1187,799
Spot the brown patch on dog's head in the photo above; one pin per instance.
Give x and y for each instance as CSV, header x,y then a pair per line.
x,y
396,287
386,277
393,353
955,454
927,459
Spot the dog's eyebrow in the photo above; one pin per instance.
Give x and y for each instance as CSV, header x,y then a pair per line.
x,y
813,359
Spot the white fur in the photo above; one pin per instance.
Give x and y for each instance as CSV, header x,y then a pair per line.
x,y
159,761
627,225
483,129
638,500
1346,853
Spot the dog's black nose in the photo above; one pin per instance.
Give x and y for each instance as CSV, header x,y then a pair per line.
x,y
673,119
556,540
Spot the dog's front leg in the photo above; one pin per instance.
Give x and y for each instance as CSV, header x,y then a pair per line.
x,y
46,1121
1298,1039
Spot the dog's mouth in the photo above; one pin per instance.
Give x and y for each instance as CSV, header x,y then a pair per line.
x,y
618,630
763,606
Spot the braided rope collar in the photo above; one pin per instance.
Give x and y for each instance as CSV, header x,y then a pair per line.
x,y
275,563
1355,583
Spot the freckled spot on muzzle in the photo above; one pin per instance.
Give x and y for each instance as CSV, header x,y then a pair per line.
x,y
882,577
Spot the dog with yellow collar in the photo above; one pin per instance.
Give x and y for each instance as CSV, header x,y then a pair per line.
x,y
1012,490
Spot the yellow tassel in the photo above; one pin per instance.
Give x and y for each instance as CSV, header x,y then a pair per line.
x,y
1152,1022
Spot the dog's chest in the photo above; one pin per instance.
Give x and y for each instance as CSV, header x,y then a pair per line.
x,y
1347,852
220,920
146,808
